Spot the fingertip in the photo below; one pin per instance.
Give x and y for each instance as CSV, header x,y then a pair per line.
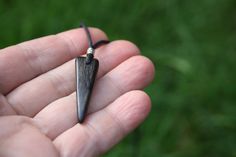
x,y
98,33
150,68
127,46
120,49
131,109
145,98
138,110
143,69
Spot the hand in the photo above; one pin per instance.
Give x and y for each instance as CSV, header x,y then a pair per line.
x,y
37,100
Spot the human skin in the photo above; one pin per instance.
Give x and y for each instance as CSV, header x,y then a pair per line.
x,y
37,96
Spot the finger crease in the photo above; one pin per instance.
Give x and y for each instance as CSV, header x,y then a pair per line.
x,y
95,132
31,58
115,85
116,120
20,110
57,83
6,107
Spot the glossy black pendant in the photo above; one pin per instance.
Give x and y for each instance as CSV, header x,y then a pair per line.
x,y
85,77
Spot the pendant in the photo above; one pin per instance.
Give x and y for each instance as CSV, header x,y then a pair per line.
x,y
85,77
86,70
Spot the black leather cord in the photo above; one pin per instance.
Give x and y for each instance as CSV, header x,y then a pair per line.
x,y
100,43
90,41
92,46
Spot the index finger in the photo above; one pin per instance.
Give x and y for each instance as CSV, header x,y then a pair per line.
x,y
22,62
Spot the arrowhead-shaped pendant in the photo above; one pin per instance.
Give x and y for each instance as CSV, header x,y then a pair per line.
x,y
85,77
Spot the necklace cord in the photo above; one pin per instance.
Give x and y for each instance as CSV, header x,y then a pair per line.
x,y
92,47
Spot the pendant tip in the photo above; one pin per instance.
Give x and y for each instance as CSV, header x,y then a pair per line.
x,y
81,117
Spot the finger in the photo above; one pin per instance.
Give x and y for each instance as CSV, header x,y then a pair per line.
x,y
135,73
25,61
18,134
105,128
60,82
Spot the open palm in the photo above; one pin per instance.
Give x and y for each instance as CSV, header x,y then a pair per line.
x,y
37,96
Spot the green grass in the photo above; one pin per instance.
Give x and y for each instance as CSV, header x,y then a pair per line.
x,y
192,44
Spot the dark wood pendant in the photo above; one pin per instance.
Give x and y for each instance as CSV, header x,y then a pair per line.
x,y
85,77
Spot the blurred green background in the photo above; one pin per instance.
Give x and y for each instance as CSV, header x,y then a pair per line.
x,y
193,46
